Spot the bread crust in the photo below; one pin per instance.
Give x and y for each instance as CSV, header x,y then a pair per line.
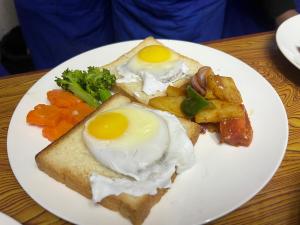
x,y
56,161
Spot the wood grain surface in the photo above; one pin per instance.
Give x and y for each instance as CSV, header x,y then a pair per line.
x,y
277,203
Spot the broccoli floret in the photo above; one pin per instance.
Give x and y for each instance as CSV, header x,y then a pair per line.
x,y
102,78
99,82
91,86
72,82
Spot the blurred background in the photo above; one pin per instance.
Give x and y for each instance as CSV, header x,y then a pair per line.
x,y
8,17
8,20
39,34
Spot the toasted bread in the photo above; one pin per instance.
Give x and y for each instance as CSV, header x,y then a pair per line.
x,y
69,161
134,89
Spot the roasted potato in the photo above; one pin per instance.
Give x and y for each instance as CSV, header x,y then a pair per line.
x,y
176,91
222,110
168,103
224,88
210,95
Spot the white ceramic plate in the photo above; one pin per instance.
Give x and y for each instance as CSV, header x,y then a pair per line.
x,y
288,39
7,220
224,177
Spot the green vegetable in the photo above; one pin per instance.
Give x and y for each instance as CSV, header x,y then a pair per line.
x,y
99,82
193,103
104,94
92,86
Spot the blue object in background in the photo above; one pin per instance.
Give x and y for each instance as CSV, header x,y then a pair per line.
x,y
244,17
3,71
297,2
56,30
189,20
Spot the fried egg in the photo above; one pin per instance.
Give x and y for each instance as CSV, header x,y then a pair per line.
x,y
127,139
156,65
145,145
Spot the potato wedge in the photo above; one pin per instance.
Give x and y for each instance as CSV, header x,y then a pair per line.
x,y
222,110
209,95
176,91
168,103
224,88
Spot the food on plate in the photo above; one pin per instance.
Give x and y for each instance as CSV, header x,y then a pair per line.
x,y
194,103
65,110
199,80
148,69
156,75
209,99
176,91
213,86
54,132
170,104
186,104
63,99
126,153
92,86
44,115
220,111
83,91
224,88
125,156
236,131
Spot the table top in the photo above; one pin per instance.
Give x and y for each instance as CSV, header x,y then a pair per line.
x,y
277,203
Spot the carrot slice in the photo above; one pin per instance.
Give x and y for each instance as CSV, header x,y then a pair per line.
x,y
61,98
80,111
65,111
66,114
53,133
76,113
44,115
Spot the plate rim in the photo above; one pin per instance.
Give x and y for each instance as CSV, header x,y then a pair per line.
x,y
279,42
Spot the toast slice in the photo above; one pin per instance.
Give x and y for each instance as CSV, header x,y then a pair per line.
x,y
68,161
134,89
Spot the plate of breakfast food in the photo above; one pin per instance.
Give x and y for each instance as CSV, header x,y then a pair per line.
x,y
288,39
147,132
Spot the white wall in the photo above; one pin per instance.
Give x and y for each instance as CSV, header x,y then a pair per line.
x,y
8,16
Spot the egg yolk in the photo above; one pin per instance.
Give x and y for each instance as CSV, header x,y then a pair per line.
x,y
154,54
108,126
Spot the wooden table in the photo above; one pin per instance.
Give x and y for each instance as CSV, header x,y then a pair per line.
x,y
277,203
